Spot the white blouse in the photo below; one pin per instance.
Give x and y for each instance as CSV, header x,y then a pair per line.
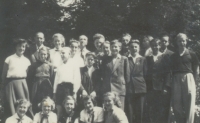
x,y
15,118
68,72
17,66
52,118
78,60
55,57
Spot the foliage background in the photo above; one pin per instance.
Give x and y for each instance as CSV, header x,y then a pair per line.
x,y
22,18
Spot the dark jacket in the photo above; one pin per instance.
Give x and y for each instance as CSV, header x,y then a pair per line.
x,y
137,75
115,77
91,84
155,73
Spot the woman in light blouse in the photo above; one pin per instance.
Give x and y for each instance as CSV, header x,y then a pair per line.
x,y
14,76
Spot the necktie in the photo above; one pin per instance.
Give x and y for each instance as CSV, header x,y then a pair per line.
x,y
19,120
91,117
44,116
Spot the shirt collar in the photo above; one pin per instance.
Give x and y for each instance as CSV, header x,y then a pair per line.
x,y
159,53
17,116
90,68
57,49
137,55
118,56
183,52
164,51
18,56
83,50
39,46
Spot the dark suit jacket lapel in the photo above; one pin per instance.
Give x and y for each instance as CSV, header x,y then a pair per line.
x,y
117,62
110,63
86,72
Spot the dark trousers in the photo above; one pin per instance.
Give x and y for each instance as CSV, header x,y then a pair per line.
x,y
157,107
136,106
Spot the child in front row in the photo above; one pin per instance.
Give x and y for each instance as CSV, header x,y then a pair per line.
x,y
69,115
46,115
113,114
91,113
22,105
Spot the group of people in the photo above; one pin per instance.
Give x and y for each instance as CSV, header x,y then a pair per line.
x,y
118,83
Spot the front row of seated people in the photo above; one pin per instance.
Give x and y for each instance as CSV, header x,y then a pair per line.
x,y
110,113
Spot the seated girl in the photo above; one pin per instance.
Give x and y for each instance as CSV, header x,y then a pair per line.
x,y
113,114
91,113
22,105
46,115
69,115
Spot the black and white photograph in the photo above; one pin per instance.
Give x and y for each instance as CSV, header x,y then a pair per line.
x,y
99,61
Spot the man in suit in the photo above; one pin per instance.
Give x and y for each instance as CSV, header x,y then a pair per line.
x,y
157,84
33,51
115,72
137,85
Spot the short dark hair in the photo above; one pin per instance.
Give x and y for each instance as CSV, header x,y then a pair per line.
x,y
134,41
19,41
155,40
93,99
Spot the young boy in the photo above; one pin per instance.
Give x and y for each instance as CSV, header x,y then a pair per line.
x,y
115,72
74,45
125,41
83,43
157,85
137,87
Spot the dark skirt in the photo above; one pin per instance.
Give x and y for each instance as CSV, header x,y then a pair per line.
x,y
41,88
15,89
